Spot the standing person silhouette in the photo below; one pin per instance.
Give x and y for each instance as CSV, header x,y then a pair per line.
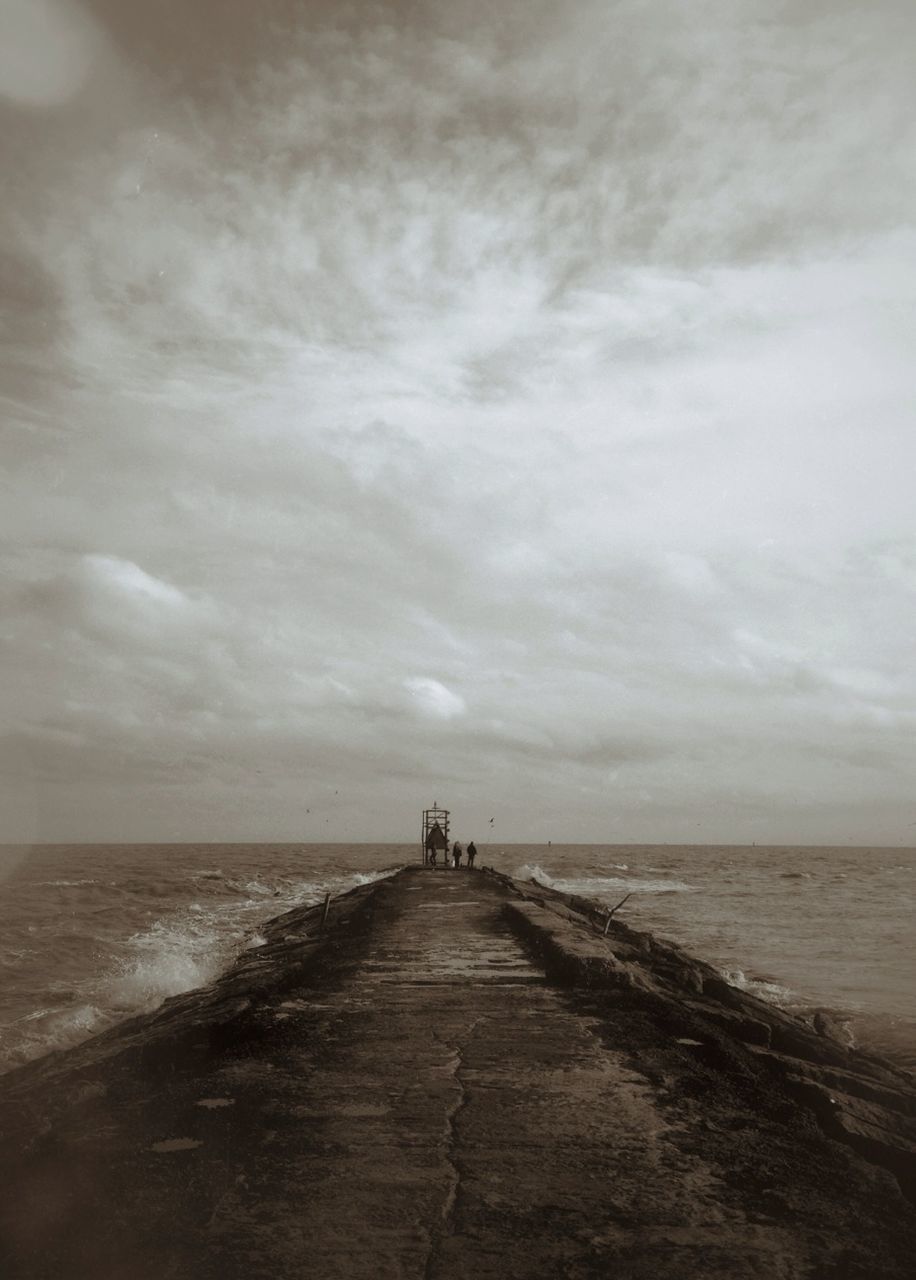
x,y
456,854
435,840
472,853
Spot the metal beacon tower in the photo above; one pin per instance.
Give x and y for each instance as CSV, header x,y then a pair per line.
x,y
434,835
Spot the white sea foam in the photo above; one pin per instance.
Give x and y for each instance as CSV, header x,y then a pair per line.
x,y
251,887
62,884
47,1029
182,950
600,886
157,973
763,988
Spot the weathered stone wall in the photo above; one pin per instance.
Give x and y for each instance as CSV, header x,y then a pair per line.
x,y
858,1098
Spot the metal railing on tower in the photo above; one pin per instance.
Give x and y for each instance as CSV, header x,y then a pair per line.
x,y
434,834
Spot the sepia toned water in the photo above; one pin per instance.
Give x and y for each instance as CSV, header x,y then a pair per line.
x,y
91,934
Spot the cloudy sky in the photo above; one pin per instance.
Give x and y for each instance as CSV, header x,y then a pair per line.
x,y
510,405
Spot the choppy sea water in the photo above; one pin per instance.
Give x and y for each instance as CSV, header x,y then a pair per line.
x,y
92,934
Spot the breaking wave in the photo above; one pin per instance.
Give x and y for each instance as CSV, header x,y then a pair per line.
x,y
599,887
182,950
763,988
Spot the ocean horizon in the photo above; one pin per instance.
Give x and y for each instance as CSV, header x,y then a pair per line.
x,y
93,933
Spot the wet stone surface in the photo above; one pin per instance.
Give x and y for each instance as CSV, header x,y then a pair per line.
x,y
423,1102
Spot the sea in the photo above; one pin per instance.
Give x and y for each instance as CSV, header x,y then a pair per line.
x,y
91,934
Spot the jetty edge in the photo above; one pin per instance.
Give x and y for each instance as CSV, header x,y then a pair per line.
x,y
452,1073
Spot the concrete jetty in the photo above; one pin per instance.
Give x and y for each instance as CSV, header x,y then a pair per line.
x,y
456,1075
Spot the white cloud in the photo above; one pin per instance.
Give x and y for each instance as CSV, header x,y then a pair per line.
x,y
125,581
434,699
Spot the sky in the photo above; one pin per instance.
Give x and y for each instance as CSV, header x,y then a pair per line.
x,y
505,405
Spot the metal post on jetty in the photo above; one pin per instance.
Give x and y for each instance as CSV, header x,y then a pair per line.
x,y
434,834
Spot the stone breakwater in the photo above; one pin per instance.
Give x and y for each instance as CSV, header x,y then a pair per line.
x,y
858,1098
458,1074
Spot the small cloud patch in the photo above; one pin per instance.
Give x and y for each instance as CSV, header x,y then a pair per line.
x,y
433,699
124,578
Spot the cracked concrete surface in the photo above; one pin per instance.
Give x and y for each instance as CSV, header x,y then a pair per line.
x,y
431,1107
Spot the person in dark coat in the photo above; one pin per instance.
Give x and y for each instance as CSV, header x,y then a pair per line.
x,y
472,853
435,840
456,854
